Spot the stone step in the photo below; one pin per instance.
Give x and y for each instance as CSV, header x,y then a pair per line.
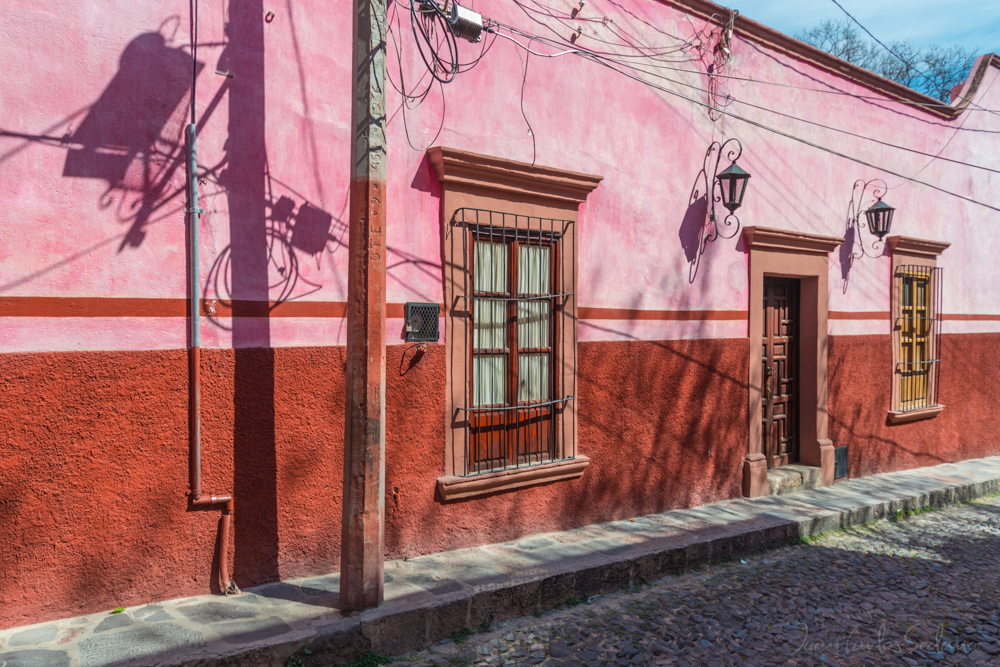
x,y
793,479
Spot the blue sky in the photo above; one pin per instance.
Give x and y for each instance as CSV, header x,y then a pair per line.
x,y
965,22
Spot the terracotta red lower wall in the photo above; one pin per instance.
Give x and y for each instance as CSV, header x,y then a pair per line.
x,y
94,463
94,474
860,387
664,424
94,456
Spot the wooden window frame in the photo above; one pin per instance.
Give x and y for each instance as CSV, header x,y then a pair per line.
x,y
514,455
906,251
470,181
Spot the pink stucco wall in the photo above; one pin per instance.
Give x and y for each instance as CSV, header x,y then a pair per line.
x,y
93,197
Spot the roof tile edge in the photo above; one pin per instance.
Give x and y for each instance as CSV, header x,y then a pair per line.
x,y
779,41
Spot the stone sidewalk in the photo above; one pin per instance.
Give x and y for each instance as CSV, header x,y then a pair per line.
x,y
429,597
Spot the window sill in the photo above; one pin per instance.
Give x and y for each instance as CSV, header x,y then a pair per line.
x,y
914,415
453,487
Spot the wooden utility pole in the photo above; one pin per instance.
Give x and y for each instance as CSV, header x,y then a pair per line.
x,y
361,560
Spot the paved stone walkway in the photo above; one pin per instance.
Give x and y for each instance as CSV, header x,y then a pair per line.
x,y
849,597
921,590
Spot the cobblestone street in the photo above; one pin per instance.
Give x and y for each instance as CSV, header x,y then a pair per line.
x,y
917,590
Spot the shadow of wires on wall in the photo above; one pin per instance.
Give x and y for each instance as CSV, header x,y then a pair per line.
x,y
130,137
292,229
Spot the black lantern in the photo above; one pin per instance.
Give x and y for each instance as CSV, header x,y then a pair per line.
x,y
879,218
726,187
733,182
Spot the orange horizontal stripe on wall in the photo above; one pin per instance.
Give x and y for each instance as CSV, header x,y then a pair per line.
x,y
590,313
44,306
89,306
862,315
972,318
47,306
35,306
246,308
876,315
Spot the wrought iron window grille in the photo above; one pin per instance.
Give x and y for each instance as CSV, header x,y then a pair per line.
x,y
517,309
917,306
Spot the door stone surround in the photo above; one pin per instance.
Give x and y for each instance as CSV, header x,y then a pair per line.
x,y
789,254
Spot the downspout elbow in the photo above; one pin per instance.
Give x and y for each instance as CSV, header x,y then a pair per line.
x,y
226,583
202,500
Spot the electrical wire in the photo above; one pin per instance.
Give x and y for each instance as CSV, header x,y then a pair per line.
x,y
412,99
823,126
524,81
723,56
607,23
541,39
899,57
487,45
629,40
914,103
946,144
604,63
713,108
423,22
768,109
819,90
427,17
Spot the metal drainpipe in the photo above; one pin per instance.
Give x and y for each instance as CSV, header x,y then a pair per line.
x,y
227,585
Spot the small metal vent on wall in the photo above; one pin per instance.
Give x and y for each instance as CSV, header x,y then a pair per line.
x,y
840,462
422,322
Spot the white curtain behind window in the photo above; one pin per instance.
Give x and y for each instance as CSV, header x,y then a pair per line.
x,y
490,264
534,276
488,373
533,377
489,317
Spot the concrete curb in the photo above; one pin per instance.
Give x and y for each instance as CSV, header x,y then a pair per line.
x,y
799,516
430,597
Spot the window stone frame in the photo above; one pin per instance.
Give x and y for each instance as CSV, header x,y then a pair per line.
x,y
469,180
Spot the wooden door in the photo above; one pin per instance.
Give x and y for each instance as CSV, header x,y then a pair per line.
x,y
781,371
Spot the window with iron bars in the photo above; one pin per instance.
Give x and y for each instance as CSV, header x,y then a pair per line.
x,y
517,389
917,316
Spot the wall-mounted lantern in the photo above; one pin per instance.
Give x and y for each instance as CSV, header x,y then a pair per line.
x,y
879,217
727,187
733,181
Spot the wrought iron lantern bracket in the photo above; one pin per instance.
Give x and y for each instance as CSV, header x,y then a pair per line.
x,y
860,191
732,176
